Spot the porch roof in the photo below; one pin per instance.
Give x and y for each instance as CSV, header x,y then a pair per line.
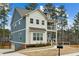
x,y
37,29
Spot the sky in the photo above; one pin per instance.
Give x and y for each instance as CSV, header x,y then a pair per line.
x,y
71,10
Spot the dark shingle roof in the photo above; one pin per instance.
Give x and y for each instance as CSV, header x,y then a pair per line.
x,y
22,11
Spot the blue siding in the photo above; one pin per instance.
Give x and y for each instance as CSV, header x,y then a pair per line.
x,y
19,26
17,46
19,36
16,17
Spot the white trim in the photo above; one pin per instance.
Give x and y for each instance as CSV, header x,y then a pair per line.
x,y
17,42
18,30
16,21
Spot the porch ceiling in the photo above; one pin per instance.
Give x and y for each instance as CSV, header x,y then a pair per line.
x,y
36,29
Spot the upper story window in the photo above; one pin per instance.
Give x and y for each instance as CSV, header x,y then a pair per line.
x,y
43,22
31,20
37,21
15,25
19,22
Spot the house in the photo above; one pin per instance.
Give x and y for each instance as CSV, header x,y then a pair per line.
x,y
30,27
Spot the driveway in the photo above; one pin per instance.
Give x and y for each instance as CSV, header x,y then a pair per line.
x,y
72,54
13,54
9,52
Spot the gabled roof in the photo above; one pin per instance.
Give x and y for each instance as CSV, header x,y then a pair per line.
x,y
22,11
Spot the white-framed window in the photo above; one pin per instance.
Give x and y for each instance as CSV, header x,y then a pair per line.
x,y
37,36
31,20
14,25
37,21
19,22
20,35
34,36
43,22
41,36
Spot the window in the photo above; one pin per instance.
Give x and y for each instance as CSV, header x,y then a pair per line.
x,y
41,36
37,36
37,21
42,22
31,20
20,35
14,25
19,22
20,38
34,36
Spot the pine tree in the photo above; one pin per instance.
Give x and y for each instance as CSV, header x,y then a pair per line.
x,y
3,18
62,15
31,6
76,27
49,8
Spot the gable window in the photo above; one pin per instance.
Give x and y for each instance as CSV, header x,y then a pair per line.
x,y
14,25
37,21
19,22
42,22
31,20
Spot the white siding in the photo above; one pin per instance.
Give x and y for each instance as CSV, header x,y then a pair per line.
x,y
38,41
40,17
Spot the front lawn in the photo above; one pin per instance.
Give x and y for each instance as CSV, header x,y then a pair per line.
x,y
49,52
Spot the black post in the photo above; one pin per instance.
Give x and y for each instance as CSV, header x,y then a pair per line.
x,y
59,52
59,47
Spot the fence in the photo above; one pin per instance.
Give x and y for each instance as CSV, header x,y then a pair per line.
x,y
4,45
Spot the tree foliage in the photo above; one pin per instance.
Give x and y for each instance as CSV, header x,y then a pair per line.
x,y
57,13
76,22
31,6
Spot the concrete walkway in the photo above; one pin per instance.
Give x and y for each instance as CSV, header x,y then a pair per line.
x,y
13,54
8,52
5,50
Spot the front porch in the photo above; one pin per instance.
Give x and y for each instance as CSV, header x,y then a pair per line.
x,y
51,38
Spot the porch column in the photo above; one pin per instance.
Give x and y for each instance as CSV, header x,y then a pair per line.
x,y
56,33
